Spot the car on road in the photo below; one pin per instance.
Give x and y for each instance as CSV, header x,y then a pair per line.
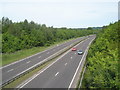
x,y
74,49
80,52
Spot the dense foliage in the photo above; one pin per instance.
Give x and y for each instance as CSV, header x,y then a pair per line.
x,y
24,35
102,60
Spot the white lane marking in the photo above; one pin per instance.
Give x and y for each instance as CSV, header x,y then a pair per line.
x,y
56,74
47,52
34,55
10,70
79,66
28,61
27,57
75,53
39,57
28,80
71,57
25,83
82,77
65,64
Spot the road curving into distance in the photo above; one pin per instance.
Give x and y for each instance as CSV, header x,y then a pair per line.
x,y
11,70
62,72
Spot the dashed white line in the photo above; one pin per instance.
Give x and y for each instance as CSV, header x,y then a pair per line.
x,y
25,83
28,61
71,57
27,57
56,73
83,57
39,57
10,70
65,64
75,53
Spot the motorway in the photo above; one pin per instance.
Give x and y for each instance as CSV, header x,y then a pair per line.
x,y
61,72
14,69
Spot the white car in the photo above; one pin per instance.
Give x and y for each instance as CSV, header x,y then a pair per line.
x,y
80,52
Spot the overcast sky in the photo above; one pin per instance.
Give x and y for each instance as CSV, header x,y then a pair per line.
x,y
62,13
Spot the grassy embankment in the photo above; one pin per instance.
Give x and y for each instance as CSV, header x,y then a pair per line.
x,y
12,57
103,61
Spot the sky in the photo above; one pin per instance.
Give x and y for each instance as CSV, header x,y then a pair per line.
x,y
119,10
62,13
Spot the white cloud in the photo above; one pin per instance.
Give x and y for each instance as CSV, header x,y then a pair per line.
x,y
70,13
18,1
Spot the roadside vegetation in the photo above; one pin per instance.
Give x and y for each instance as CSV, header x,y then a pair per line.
x,y
12,57
103,61
20,80
20,36
24,35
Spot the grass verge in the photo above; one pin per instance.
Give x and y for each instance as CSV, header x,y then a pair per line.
x,y
12,57
24,77
28,75
79,81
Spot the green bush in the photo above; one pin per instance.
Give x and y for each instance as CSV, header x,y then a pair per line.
x,y
102,60
25,35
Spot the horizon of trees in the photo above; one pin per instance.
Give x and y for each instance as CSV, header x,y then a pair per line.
x,y
24,35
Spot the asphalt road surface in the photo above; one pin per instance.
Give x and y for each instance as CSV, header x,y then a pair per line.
x,y
11,70
60,73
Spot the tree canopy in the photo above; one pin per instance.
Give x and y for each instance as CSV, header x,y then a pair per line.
x,y
24,35
102,60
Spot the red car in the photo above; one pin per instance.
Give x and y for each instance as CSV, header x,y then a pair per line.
x,y
74,49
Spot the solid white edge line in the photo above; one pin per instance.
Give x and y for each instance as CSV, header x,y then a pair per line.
x,y
36,54
42,71
82,77
25,58
25,83
79,66
40,62
10,70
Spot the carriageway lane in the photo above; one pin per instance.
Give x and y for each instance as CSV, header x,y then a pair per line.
x,y
12,70
59,74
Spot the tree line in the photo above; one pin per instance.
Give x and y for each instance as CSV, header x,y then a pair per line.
x,y
24,35
103,60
